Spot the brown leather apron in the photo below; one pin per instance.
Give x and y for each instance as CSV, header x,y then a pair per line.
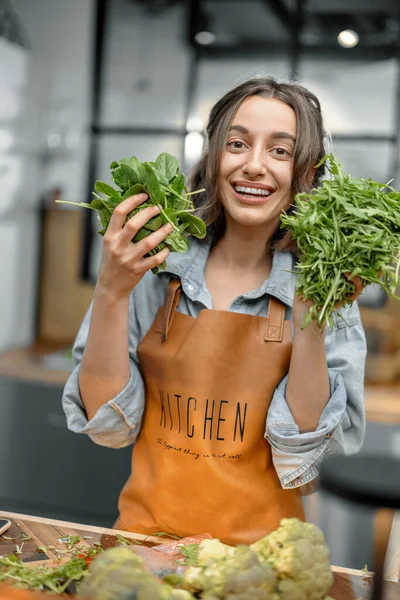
x,y
201,463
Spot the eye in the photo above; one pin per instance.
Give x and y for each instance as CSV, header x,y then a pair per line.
x,y
235,144
279,151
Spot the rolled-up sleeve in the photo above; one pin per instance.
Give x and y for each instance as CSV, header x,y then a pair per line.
x,y
341,426
116,423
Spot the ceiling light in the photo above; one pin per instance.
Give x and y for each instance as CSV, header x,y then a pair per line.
x,y
205,38
348,38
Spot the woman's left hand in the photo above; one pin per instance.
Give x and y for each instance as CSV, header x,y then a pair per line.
x,y
358,287
301,307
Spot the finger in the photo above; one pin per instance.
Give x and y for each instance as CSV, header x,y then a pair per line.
x,y
136,222
151,241
145,264
122,211
357,282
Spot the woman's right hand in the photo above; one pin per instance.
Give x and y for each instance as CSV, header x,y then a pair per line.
x,y
123,262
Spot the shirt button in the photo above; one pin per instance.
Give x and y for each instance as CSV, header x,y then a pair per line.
x,y
190,287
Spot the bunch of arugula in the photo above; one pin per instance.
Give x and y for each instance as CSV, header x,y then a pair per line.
x,y
164,184
55,579
59,579
346,225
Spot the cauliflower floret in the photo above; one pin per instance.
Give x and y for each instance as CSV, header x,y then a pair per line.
x,y
224,572
156,591
299,554
211,550
120,574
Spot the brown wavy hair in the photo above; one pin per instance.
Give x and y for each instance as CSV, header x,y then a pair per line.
x,y
309,149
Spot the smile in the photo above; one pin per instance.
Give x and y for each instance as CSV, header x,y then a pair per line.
x,y
252,191
252,195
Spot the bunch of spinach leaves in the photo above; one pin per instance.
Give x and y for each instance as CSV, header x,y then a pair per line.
x,y
164,184
346,225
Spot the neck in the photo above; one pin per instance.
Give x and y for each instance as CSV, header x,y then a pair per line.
x,y
243,248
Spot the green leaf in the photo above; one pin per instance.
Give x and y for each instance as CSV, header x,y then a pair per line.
x,y
138,167
190,552
137,188
167,165
108,190
178,183
155,223
105,210
196,226
153,188
177,242
124,176
141,234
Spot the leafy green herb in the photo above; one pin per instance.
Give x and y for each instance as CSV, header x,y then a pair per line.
x,y
345,226
126,541
164,184
70,540
55,579
20,535
164,534
365,569
42,577
190,552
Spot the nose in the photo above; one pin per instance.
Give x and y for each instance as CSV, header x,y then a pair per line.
x,y
255,165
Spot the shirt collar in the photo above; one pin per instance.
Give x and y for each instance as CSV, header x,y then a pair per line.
x,y
190,267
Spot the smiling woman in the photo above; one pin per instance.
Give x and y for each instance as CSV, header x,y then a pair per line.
x,y
257,164
205,367
274,113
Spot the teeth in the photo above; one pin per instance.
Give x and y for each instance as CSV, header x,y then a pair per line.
x,y
249,190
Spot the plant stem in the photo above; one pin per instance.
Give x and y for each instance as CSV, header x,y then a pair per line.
x,y
178,195
329,297
84,204
195,192
167,218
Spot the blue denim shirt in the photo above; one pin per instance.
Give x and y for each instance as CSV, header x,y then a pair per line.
x,y
296,455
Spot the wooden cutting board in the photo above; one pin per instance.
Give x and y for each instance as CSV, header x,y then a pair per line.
x,y
348,584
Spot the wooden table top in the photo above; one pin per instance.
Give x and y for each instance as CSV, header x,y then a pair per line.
x,y
30,532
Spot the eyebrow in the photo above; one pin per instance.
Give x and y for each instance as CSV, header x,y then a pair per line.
x,y
275,135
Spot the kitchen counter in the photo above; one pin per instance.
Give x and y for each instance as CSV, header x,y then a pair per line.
x,y
30,532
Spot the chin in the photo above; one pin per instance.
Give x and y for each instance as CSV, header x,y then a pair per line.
x,y
249,216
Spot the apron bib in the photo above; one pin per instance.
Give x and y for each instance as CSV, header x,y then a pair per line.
x,y
201,463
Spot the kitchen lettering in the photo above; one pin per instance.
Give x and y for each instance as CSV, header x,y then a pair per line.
x,y
207,418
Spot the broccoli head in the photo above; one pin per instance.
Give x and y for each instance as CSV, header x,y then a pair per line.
x,y
298,553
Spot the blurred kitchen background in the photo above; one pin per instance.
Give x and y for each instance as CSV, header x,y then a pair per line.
x,y
85,82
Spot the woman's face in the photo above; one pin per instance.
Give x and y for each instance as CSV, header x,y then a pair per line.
x,y
255,175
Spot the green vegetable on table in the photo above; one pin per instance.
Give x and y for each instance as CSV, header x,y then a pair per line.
x,y
164,184
344,226
56,579
300,557
120,574
291,563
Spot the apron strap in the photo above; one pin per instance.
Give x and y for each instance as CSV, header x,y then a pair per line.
x,y
273,328
275,320
170,305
